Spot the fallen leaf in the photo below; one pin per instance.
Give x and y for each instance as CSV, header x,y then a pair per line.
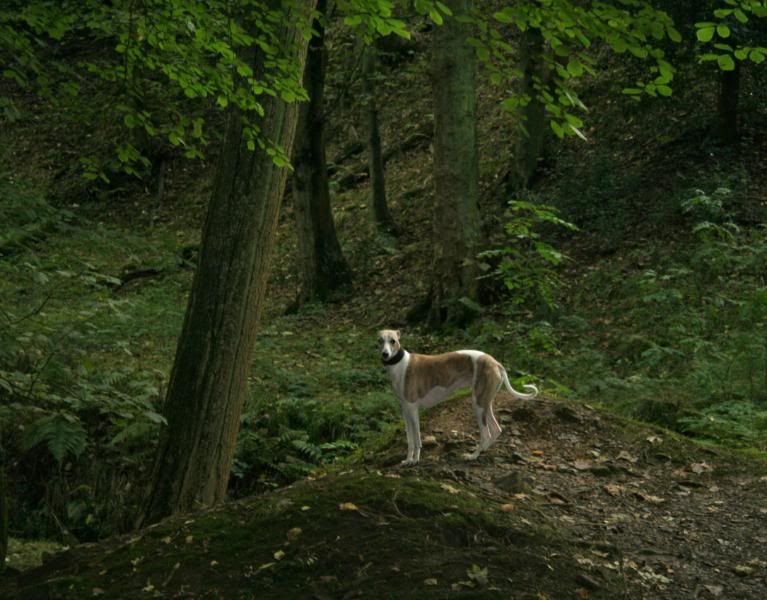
x,y
348,506
714,590
478,574
700,467
429,440
743,570
166,540
623,455
279,555
294,533
305,508
521,496
614,489
97,592
582,594
649,498
214,563
449,488
430,581
266,566
537,452
189,539
655,439
582,464
507,507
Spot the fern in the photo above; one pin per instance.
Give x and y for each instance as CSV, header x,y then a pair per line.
x,y
62,433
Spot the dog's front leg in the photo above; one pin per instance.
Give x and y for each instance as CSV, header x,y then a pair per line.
x,y
413,431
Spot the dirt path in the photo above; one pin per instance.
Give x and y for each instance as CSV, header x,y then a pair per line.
x,y
673,519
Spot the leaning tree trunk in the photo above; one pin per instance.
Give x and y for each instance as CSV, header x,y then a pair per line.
x,y
456,172
381,212
323,266
208,381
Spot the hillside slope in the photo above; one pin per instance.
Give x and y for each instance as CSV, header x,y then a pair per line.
x,y
571,502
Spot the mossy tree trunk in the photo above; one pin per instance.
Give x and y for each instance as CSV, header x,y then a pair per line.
x,y
380,207
208,382
535,75
323,266
456,172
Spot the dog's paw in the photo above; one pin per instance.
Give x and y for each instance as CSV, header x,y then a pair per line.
x,y
408,462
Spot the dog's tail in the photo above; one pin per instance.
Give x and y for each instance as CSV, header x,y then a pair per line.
x,y
514,392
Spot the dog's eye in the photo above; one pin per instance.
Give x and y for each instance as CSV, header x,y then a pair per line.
x,y
380,340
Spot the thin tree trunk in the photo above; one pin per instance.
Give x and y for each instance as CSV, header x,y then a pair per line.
x,y
529,145
208,382
380,207
3,513
323,266
456,172
729,96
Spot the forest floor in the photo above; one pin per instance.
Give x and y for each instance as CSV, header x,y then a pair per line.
x,y
570,502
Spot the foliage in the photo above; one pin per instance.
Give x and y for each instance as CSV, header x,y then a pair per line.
x,y
731,36
570,30
528,266
75,426
283,439
681,343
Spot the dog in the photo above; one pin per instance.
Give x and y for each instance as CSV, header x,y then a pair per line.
x,y
421,380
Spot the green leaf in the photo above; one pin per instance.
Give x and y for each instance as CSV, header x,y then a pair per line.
x,y
705,34
741,16
726,63
722,30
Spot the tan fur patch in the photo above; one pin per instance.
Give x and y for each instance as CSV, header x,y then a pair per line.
x,y
425,372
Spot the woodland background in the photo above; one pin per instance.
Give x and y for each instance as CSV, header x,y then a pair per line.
x,y
595,221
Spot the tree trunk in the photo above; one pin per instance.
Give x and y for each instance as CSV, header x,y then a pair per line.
x,y
381,212
456,172
3,514
729,93
323,266
529,145
208,382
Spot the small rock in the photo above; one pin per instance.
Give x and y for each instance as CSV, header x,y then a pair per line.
x,y
429,441
513,483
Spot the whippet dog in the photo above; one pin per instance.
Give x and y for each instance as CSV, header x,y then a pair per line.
x,y
421,380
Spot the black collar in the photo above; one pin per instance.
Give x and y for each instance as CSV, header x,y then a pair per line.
x,y
394,359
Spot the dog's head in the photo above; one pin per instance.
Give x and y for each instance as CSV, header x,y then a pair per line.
x,y
388,343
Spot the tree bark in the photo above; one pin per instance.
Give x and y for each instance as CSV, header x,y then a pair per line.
x,y
456,172
380,207
729,96
323,266
208,381
3,514
529,145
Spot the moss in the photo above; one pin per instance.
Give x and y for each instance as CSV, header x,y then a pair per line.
x,y
395,534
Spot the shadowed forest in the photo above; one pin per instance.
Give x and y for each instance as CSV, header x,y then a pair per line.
x,y
208,210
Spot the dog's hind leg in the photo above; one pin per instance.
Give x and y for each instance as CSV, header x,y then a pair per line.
x,y
484,431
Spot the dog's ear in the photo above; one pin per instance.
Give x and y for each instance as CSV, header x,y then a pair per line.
x,y
399,334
